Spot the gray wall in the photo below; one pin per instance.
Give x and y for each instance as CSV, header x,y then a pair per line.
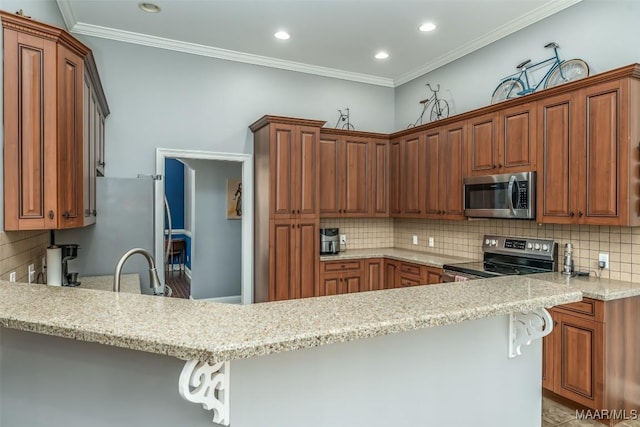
x,y
162,98
603,33
216,254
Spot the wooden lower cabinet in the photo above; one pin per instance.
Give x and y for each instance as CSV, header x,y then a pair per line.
x,y
590,358
341,277
374,274
400,274
293,257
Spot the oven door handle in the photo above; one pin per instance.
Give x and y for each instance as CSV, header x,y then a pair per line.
x,y
513,180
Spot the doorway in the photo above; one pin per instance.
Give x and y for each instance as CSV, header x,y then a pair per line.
x,y
194,158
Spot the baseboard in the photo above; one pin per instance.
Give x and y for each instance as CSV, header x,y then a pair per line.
x,y
235,299
187,271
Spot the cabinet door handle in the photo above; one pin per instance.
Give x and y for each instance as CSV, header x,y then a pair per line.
x,y
101,164
499,165
555,323
66,215
580,214
95,212
493,166
293,226
51,215
419,211
571,214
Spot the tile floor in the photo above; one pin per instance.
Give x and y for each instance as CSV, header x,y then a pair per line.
x,y
554,415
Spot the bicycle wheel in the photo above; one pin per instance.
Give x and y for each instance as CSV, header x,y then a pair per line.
x,y
507,89
348,126
439,110
573,69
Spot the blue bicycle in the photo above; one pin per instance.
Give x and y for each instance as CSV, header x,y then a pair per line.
x,y
559,72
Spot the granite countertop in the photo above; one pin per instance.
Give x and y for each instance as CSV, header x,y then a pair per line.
x,y
213,332
129,283
426,258
593,287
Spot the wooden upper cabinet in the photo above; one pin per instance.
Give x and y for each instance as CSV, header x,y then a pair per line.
x,y
482,145
560,155
588,157
354,175
412,175
356,166
503,141
294,153
452,166
46,157
607,151
380,178
395,178
434,167
517,139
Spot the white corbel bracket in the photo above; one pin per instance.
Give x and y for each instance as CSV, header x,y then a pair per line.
x,y
526,327
207,384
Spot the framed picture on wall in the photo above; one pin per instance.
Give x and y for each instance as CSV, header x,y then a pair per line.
x,y
234,199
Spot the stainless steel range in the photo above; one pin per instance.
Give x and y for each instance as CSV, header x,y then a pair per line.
x,y
507,256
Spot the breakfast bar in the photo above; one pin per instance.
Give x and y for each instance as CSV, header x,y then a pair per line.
x,y
460,345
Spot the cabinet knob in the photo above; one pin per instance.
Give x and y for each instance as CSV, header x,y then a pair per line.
x,y
499,165
555,323
493,166
101,164
66,215
51,214
293,226
419,211
571,214
95,212
580,214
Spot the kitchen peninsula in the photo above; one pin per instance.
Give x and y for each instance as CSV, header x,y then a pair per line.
x,y
397,357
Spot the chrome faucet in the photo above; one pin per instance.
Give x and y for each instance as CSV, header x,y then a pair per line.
x,y
154,280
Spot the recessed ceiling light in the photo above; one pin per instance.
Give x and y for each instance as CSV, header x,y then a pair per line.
x,y
428,26
382,55
282,35
149,7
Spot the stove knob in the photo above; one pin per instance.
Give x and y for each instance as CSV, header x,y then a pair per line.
x,y
494,242
536,246
487,242
529,245
545,247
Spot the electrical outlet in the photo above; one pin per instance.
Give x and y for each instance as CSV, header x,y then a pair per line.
x,y
603,260
415,240
432,242
12,276
32,273
343,239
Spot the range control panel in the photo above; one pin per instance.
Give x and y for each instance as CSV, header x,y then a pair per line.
x,y
518,245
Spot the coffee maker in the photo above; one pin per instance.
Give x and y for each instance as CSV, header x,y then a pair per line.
x,y
329,241
69,252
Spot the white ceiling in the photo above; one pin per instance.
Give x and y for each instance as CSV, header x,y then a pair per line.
x,y
336,38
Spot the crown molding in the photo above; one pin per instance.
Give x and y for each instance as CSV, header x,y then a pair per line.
x,y
229,55
67,13
532,17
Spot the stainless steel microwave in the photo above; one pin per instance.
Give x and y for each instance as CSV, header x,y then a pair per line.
x,y
510,195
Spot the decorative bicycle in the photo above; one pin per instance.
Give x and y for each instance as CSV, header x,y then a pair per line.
x,y
559,72
439,107
344,118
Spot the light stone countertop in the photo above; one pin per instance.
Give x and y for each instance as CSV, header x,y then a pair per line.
x,y
593,287
212,332
129,283
426,258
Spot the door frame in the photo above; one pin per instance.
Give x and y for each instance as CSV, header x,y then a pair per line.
x,y
246,160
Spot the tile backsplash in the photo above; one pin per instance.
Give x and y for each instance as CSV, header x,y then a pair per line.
x,y
464,239
18,249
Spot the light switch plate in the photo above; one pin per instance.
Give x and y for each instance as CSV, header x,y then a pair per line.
x,y
32,273
415,240
12,276
432,242
343,239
